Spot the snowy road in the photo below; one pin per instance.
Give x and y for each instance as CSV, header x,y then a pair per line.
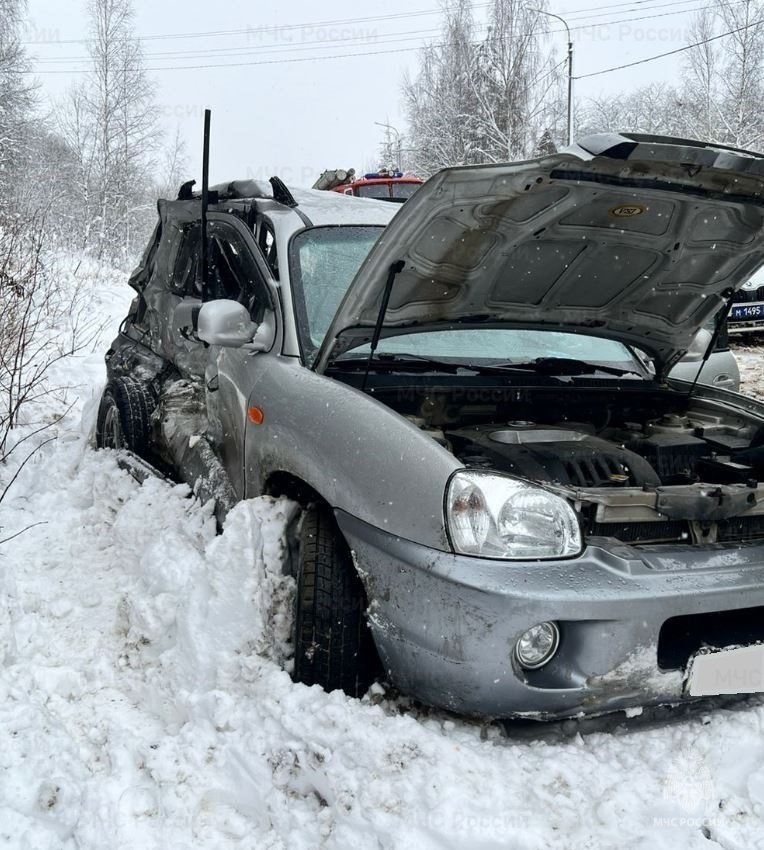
x,y
143,703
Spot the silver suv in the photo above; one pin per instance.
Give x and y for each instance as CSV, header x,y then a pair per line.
x,y
509,507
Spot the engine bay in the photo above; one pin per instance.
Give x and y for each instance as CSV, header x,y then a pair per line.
x,y
641,466
672,450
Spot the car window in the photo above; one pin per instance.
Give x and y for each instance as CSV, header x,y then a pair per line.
x,y
374,190
404,190
266,239
323,261
185,276
232,271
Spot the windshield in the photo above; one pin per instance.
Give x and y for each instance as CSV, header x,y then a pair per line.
x,y
374,190
404,190
504,345
323,261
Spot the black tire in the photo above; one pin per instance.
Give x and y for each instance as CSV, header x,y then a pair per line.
x,y
124,417
332,641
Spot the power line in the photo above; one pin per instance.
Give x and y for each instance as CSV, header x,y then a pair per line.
x,y
394,37
275,28
326,43
670,52
282,28
258,49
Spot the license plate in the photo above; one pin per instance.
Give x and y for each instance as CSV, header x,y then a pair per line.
x,y
747,311
727,671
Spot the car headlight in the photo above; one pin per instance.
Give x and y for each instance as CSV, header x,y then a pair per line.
x,y
499,517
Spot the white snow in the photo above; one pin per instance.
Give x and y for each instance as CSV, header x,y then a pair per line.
x,y
144,702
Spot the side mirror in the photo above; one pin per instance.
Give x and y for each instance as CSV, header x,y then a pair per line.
x,y
225,323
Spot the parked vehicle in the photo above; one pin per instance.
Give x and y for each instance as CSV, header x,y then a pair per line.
x,y
747,312
720,370
384,185
509,507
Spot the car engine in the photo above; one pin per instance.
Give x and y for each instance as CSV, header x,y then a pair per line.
x,y
669,451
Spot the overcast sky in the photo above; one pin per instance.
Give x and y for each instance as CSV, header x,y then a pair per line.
x,y
296,118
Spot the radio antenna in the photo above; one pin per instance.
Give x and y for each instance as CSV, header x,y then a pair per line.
x,y
203,258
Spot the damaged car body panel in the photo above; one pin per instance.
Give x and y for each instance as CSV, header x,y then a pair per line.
x,y
542,522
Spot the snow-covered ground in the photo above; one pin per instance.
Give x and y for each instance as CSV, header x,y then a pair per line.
x,y
750,359
144,704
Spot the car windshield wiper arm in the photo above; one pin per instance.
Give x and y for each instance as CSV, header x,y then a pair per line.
x,y
559,366
389,362
395,362
548,366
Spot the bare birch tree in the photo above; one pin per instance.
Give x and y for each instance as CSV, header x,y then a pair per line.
x,y
724,79
485,98
109,123
16,91
516,84
438,98
173,165
657,109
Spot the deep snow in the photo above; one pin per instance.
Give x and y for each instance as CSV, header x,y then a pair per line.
x,y
144,704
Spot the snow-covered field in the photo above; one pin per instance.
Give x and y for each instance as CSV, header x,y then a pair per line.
x,y
144,704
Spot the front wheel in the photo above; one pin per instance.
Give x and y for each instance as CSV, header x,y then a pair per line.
x,y
124,417
333,644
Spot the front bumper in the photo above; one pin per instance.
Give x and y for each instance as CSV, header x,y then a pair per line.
x,y
446,625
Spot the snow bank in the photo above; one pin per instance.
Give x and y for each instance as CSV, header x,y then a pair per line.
x,y
144,704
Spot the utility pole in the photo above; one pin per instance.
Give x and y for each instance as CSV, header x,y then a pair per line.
x,y
570,69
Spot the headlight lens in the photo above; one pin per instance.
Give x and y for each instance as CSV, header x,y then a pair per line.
x,y
499,517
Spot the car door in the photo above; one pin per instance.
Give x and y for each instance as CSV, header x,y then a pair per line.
x,y
236,272
184,299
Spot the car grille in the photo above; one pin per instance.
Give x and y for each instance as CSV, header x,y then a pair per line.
x,y
739,530
643,532
681,637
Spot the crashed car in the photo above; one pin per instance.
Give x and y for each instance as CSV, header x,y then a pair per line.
x,y
508,507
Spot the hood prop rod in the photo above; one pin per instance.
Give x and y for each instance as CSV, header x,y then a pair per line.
x,y
395,269
721,318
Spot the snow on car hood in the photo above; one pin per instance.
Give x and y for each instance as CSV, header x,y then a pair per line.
x,y
634,238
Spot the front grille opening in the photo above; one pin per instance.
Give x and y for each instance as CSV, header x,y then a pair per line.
x,y
682,637
739,530
642,532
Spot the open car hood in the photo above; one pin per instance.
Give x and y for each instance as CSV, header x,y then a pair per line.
x,y
634,238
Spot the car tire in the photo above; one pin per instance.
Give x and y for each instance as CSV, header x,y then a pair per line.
x,y
332,641
124,417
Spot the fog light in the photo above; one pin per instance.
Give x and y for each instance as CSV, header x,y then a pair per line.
x,y
537,646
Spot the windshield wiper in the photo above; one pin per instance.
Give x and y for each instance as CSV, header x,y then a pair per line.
x,y
557,366
389,362
547,366
399,362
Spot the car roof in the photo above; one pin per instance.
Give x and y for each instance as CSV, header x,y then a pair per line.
x,y
315,206
323,207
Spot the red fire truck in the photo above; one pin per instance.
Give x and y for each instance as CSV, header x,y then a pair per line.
x,y
385,184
